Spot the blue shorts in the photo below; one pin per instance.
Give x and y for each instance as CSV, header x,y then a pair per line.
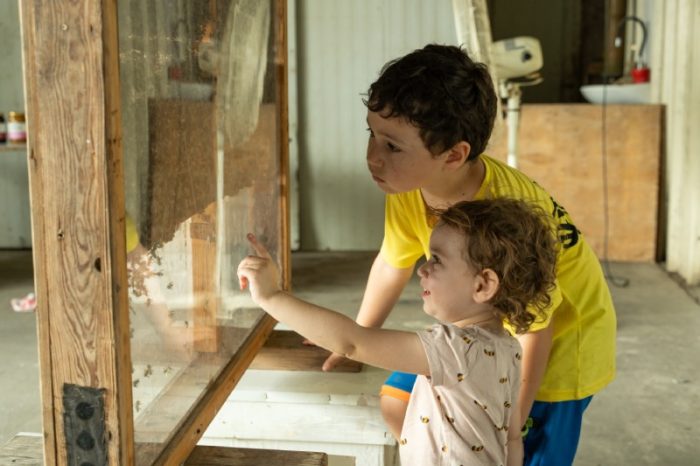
x,y
399,385
552,439
556,427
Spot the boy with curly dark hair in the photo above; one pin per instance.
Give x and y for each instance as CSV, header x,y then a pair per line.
x,y
430,115
491,261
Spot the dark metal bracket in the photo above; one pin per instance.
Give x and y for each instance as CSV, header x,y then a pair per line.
x,y
84,425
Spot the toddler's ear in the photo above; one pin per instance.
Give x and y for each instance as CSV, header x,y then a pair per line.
x,y
486,285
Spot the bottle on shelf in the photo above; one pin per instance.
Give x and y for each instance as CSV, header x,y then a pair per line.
x,y
3,129
16,128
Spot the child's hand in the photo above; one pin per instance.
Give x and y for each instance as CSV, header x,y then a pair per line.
x,y
258,272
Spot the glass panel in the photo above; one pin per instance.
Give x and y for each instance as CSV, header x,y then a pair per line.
x,y
202,168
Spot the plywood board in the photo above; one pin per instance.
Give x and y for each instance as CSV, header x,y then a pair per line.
x,y
562,147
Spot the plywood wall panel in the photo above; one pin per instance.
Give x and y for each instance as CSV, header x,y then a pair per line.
x,y
562,147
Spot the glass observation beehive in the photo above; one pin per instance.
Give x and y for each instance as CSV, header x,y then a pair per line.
x,y
201,125
169,117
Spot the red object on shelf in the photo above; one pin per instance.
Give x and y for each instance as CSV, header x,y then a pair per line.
x,y
640,75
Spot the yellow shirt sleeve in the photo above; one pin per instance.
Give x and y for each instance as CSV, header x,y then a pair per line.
x,y
556,299
403,244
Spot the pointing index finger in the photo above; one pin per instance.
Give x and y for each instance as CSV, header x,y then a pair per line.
x,y
257,247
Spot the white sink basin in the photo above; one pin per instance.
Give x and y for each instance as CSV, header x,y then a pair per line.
x,y
617,93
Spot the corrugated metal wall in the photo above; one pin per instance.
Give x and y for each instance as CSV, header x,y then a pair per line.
x,y
675,66
342,45
15,227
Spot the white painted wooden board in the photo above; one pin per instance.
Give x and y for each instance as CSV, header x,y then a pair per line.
x,y
336,413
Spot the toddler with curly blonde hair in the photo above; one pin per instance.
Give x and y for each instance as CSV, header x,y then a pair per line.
x,y
491,261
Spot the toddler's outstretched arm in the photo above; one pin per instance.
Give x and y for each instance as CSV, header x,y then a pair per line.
x,y
389,349
384,286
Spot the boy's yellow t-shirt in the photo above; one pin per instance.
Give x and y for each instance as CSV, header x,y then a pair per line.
x,y
582,360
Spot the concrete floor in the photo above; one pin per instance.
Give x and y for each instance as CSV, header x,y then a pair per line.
x,y
645,417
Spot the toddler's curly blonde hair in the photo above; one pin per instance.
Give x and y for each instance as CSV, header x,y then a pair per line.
x,y
516,240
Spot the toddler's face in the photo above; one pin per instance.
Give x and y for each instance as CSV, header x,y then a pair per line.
x,y
448,282
397,159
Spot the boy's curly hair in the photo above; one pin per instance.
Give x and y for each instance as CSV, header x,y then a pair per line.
x,y
516,240
443,92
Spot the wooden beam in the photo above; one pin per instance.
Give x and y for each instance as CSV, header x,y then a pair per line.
x,y
25,450
281,70
204,284
76,183
224,456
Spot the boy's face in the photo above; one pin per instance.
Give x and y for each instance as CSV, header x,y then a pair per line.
x,y
447,280
397,158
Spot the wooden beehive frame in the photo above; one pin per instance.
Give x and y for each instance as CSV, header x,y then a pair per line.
x,y
71,65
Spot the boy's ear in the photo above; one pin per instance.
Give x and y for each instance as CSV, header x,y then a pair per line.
x,y
486,285
458,154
